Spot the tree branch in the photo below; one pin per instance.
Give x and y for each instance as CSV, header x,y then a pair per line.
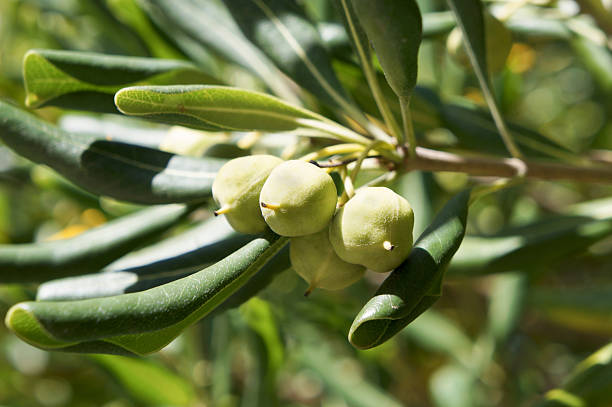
x,y
433,160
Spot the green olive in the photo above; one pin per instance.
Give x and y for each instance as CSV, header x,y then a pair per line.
x,y
298,199
236,189
498,44
373,229
314,259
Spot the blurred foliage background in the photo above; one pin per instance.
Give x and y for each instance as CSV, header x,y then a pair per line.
x,y
500,336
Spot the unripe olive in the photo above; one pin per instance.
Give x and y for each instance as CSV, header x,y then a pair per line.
x,y
236,189
498,43
298,199
314,259
373,229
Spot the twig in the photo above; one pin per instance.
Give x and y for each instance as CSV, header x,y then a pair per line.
x,y
433,160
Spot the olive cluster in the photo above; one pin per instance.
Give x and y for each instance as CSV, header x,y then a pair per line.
x,y
330,248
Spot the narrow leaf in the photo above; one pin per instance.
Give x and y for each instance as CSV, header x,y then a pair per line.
x,y
148,382
119,170
415,285
588,385
469,15
89,251
394,28
208,23
284,33
165,261
529,247
146,321
220,108
88,81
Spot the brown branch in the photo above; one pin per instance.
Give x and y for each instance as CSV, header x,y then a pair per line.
x,y
433,160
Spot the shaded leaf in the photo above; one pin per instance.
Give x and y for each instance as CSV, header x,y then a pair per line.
x,y
590,384
282,31
91,250
394,28
142,322
165,261
208,23
470,19
416,284
88,81
148,382
529,247
119,170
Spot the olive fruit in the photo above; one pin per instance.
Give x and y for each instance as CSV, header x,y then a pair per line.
x,y
314,259
498,43
373,229
236,189
298,199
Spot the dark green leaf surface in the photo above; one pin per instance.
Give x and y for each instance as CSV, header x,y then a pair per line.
x,y
470,19
146,321
416,284
168,260
282,31
209,24
119,170
590,383
87,81
91,250
394,28
529,247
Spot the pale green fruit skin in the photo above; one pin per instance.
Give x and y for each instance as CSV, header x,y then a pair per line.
x,y
498,43
237,186
306,195
360,228
314,259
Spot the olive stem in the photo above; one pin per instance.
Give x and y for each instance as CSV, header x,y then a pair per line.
x,y
433,160
333,150
222,210
408,127
363,156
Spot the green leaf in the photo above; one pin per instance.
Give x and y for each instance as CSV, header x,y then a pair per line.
x,y
165,261
220,108
148,382
470,19
284,33
415,285
506,302
590,384
209,24
584,309
529,247
91,250
394,28
88,81
119,170
142,322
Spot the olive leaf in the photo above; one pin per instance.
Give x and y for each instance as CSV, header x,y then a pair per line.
x,y
470,19
589,383
217,108
145,321
147,381
415,285
165,261
88,81
95,248
209,24
105,167
529,247
394,28
281,29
